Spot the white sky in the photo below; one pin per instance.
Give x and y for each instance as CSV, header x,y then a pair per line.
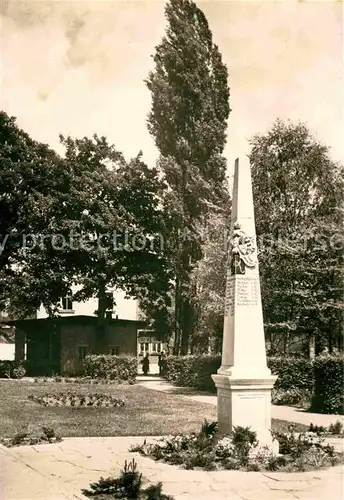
x,y
78,68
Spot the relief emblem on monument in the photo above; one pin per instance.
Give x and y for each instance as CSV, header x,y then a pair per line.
x,y
242,251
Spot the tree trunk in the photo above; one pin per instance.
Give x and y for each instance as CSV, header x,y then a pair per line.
x,y
101,316
312,347
176,343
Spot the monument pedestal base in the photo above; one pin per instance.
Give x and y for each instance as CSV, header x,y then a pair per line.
x,y
246,403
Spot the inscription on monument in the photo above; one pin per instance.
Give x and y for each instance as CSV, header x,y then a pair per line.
x,y
229,300
240,291
247,292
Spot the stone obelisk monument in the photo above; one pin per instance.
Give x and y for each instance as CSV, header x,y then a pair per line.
x,y
243,381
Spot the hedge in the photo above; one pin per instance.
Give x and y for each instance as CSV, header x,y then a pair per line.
x,y
293,373
196,371
329,382
12,369
323,377
118,368
192,371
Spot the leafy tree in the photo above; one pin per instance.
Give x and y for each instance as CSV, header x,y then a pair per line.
x,y
190,107
89,219
33,184
298,208
114,208
209,280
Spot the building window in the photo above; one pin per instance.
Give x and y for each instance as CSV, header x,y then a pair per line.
x,y
144,347
66,304
114,350
156,347
82,352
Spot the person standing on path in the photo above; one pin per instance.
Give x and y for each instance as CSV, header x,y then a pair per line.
x,y
161,362
145,364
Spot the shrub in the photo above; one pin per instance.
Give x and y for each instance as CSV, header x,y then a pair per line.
x,y
337,428
291,397
328,388
6,368
12,369
297,379
19,372
192,371
196,371
317,429
180,370
243,440
34,436
120,369
293,373
128,485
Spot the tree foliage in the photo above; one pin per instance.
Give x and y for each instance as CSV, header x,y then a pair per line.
x,y
33,185
89,219
298,208
209,281
190,107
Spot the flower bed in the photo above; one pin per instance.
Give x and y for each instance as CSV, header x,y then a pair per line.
x,y
77,400
241,451
74,380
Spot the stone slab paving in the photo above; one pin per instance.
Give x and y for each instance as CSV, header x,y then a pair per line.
x,y
59,471
287,413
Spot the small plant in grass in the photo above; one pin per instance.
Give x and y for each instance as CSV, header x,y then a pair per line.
x,y
154,492
40,435
244,440
317,429
337,428
127,486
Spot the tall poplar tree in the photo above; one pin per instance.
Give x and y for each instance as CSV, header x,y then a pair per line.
x,y
188,120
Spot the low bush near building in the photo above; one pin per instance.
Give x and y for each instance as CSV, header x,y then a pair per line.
x,y
77,400
127,486
120,369
12,369
241,451
41,435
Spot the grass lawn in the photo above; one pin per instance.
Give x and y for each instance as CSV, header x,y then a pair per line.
x,y
146,412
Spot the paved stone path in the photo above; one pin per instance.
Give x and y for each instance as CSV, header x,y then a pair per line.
x,y
59,471
279,412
